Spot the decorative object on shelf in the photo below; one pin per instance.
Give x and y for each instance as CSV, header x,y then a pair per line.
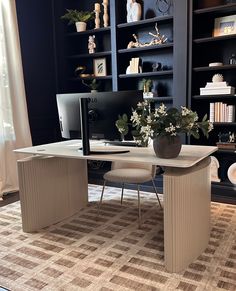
x,y
156,67
97,11
226,141
156,40
93,85
134,11
232,60
91,44
146,86
79,18
164,126
232,173
216,64
214,169
79,70
225,25
217,78
99,67
105,13
217,87
163,6
133,67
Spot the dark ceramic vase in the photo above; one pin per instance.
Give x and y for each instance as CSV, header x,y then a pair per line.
x,y
167,147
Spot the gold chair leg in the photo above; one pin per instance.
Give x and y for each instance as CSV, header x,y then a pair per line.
x,y
100,202
154,186
139,209
122,193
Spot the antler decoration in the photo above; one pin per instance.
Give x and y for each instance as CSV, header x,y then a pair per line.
x,y
157,39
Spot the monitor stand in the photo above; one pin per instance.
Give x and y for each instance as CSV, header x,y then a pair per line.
x,y
105,152
85,133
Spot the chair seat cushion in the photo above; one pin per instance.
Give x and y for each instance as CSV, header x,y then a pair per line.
x,y
128,175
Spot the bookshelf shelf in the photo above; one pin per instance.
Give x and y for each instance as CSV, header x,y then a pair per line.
x,y
214,38
230,7
214,97
159,19
147,74
215,68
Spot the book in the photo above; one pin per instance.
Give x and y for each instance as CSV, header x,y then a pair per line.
x,y
218,91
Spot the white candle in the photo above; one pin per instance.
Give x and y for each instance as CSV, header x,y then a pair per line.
x,y
97,7
105,2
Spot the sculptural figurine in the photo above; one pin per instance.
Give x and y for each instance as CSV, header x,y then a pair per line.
x,y
134,11
91,44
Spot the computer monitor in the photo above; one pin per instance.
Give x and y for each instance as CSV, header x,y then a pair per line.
x,y
103,111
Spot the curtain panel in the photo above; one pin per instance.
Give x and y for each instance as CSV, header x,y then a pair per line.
x,y
14,125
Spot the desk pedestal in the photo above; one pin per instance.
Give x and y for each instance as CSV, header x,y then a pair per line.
x,y
187,194
51,189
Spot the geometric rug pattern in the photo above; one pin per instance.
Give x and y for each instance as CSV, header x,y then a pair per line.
x,y
110,252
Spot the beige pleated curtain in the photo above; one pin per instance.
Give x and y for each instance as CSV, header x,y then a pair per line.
x,y
14,126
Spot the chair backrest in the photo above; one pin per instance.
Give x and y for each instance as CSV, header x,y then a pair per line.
x,y
125,165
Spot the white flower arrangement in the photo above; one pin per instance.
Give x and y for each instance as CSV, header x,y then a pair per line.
x,y
161,121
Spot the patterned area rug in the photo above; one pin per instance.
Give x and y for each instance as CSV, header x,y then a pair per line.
x,y
109,253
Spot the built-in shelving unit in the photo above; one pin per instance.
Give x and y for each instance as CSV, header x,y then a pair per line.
x,y
204,49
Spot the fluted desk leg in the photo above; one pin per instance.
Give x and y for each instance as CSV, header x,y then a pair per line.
x,y
187,195
51,189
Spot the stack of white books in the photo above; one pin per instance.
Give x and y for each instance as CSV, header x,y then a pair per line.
x,y
221,112
217,88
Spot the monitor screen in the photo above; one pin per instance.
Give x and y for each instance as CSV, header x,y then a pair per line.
x,y
103,111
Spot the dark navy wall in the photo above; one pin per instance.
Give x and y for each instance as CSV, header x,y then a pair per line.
x,y
36,29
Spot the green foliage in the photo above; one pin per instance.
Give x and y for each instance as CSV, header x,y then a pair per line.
x,y
146,85
74,16
161,121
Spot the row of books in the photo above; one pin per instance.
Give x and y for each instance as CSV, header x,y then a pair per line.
x,y
221,112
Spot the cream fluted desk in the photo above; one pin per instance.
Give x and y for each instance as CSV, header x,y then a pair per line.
x,y
54,185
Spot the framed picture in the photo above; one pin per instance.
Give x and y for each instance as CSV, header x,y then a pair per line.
x,y
99,67
225,25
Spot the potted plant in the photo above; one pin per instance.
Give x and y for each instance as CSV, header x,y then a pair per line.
x,y
146,87
93,85
79,18
164,126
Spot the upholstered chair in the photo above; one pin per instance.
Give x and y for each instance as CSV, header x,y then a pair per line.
x,y
131,173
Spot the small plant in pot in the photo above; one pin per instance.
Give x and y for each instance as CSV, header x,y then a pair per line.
x,y
93,85
79,18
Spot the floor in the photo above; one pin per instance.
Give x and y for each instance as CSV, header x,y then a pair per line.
x,y
8,199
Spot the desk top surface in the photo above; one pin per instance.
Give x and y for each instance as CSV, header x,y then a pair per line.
x,y
189,155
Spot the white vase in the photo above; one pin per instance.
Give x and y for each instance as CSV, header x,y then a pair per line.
x,y
134,11
80,26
